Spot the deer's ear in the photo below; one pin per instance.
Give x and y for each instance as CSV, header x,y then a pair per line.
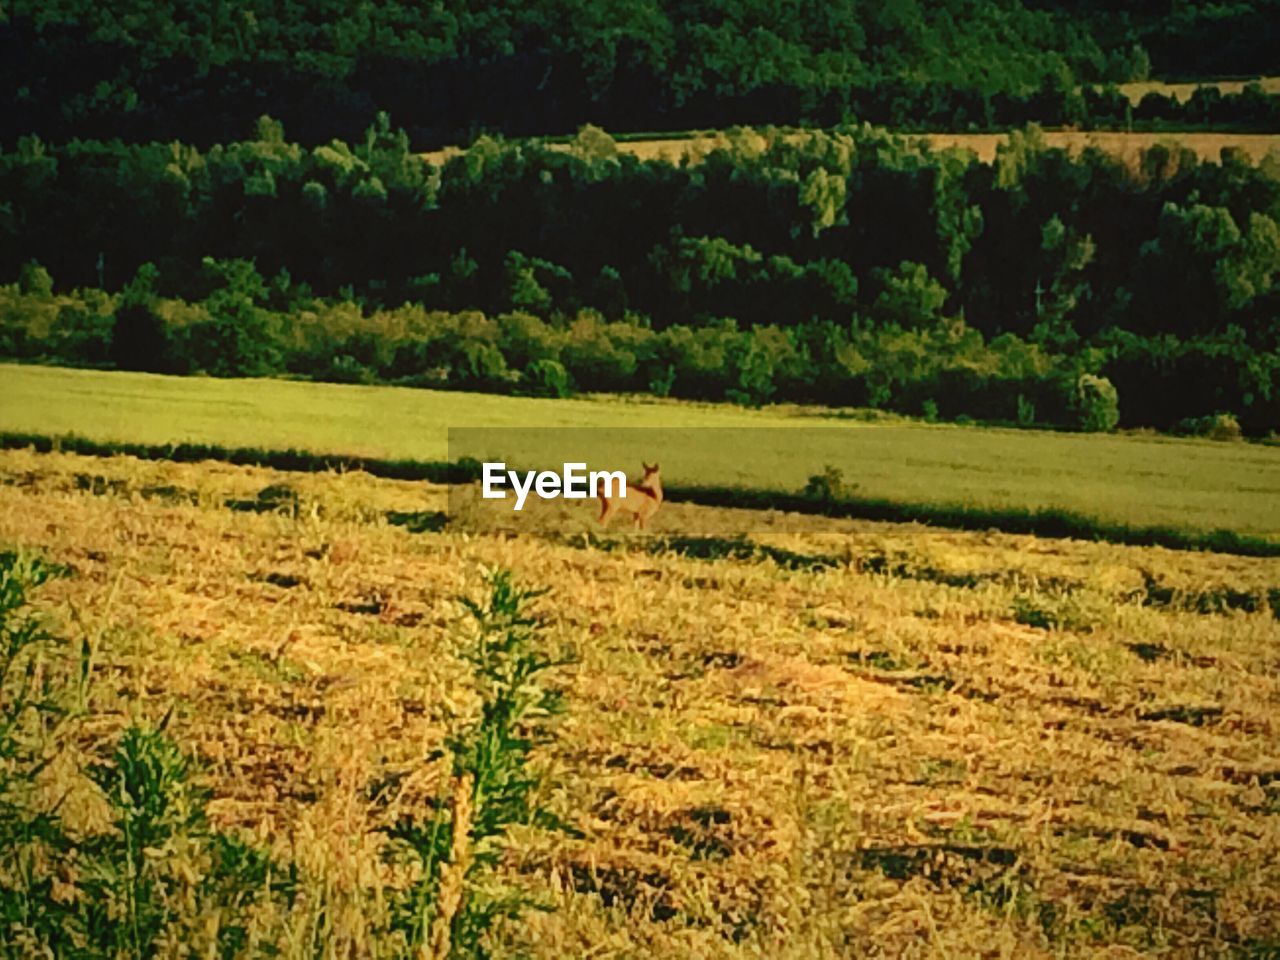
x,y
655,468
647,468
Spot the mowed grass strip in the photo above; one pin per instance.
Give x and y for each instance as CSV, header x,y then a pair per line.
x,y
1119,483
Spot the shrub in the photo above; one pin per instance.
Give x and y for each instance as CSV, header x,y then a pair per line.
x,y
662,382
1218,426
595,356
525,339
755,385
829,486
1096,404
238,339
34,280
481,364
83,334
140,339
1026,411
909,297
344,368
548,378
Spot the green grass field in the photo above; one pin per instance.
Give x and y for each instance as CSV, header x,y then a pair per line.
x,y
1132,481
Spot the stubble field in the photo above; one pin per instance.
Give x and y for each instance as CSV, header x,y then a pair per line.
x,y
871,740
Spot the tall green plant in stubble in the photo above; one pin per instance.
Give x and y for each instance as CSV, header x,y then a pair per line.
x,y
39,688
159,876
162,877
457,898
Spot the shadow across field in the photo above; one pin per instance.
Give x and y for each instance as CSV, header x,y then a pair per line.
x,y
1218,598
739,548
1039,522
300,461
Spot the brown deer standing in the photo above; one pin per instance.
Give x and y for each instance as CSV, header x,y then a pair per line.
x,y
641,501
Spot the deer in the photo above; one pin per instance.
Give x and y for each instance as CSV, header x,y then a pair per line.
x,y
641,499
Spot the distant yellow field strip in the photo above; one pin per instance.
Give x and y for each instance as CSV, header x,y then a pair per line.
x,y
1182,91
1127,146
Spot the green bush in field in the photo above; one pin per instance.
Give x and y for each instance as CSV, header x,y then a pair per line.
x,y
1219,426
1096,404
345,368
829,486
524,339
84,329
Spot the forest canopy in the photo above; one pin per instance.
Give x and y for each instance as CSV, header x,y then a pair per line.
x,y
201,73
851,267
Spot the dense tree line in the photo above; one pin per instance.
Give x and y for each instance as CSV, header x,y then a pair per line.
x,y
197,72
843,268
1183,38
943,373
